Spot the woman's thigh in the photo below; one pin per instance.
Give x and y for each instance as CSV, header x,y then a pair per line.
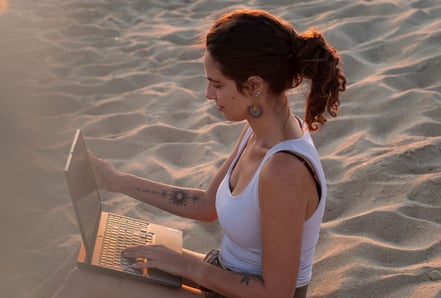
x,y
85,283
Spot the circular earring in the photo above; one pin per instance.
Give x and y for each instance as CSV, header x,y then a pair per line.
x,y
257,93
254,111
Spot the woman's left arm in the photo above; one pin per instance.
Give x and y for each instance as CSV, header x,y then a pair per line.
x,y
288,196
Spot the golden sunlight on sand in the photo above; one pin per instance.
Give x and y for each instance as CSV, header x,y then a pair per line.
x,y
130,74
3,5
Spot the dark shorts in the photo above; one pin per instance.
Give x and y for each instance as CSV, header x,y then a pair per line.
x,y
213,258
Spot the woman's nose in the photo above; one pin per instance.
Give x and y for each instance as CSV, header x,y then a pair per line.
x,y
210,93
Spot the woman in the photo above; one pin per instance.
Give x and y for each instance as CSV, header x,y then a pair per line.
x,y
269,195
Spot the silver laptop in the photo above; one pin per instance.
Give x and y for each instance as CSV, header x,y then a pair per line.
x,y
106,234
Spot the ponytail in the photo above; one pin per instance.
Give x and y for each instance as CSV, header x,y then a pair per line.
x,y
317,61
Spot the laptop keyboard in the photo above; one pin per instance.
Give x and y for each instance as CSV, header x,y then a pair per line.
x,y
122,232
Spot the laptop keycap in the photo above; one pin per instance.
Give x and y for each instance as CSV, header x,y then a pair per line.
x,y
122,232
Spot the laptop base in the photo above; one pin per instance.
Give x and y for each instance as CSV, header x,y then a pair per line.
x,y
153,276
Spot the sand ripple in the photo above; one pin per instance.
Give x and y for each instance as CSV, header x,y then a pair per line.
x,y
130,75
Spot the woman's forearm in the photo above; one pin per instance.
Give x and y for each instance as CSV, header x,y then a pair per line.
x,y
228,283
185,202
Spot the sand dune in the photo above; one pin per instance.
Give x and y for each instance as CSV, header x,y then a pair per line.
x,y
130,75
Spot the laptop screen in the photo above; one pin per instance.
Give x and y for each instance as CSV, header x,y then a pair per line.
x,y
83,191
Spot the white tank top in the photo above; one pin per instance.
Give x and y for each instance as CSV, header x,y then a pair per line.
x,y
239,215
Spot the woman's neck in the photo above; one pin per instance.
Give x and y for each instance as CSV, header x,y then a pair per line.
x,y
276,124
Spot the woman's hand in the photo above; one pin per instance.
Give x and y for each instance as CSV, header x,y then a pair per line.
x,y
159,257
106,175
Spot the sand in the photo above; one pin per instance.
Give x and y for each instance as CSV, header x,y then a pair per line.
x,y
129,75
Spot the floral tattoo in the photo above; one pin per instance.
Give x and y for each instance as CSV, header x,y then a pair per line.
x,y
176,197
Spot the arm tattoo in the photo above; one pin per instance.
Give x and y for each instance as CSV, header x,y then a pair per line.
x,y
245,278
176,197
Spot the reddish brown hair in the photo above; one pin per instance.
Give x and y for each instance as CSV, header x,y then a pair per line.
x,y
253,42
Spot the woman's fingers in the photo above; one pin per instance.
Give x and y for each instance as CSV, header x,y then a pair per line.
x,y
143,256
155,256
141,251
140,263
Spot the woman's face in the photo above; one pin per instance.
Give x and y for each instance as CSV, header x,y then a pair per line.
x,y
232,103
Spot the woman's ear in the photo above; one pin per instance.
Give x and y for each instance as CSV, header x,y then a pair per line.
x,y
255,85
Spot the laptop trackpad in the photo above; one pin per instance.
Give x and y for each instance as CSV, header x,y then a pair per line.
x,y
168,237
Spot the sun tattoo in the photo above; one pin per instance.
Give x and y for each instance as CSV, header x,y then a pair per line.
x,y
178,197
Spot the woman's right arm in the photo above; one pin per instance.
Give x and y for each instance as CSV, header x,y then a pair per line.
x,y
186,202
